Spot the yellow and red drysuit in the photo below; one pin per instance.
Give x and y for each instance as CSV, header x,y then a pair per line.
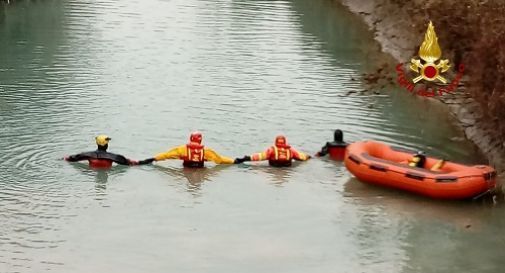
x,y
279,155
193,154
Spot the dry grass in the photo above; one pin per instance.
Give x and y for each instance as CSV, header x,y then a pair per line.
x,y
473,33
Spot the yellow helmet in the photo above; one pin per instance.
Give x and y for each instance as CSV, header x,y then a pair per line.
x,y
102,140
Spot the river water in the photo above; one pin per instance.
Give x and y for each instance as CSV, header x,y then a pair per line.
x,y
241,71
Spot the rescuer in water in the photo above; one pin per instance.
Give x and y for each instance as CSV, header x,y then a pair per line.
x,y
101,158
193,154
336,148
279,155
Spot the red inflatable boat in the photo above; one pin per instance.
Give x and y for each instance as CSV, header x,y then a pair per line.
x,y
380,164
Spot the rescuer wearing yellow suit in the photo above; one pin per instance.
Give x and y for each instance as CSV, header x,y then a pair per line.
x,y
193,154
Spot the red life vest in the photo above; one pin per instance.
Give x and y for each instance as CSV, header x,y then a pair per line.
x,y
337,152
280,156
100,163
195,156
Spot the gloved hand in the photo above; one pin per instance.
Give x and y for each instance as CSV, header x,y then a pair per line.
x,y
146,161
243,159
238,160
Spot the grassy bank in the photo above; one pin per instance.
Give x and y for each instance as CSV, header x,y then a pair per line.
x,y
473,33
469,32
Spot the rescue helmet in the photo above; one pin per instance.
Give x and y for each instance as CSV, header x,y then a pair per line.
x,y
338,135
102,140
196,137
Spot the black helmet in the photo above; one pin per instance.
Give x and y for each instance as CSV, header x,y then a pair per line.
x,y
338,135
422,158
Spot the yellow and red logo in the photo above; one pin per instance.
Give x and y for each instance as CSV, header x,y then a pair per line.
x,y
429,68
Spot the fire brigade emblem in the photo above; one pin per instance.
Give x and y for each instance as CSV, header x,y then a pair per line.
x,y
428,68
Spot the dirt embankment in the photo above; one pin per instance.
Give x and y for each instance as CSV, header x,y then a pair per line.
x,y
470,32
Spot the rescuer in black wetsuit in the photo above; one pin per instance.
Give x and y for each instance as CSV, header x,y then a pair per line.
x,y
336,148
101,158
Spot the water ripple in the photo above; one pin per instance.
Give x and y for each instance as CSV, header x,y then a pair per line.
x,y
147,72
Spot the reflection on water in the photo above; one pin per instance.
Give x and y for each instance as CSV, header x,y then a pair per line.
x,y
432,231
195,176
101,176
459,214
147,73
277,175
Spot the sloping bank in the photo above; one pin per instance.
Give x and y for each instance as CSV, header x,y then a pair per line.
x,y
470,32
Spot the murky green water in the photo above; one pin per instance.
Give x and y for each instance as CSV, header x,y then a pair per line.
x,y
149,72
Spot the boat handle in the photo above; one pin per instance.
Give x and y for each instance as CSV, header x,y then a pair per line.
x,y
415,176
445,179
377,167
354,159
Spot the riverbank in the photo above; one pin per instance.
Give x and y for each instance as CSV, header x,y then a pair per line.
x,y
479,102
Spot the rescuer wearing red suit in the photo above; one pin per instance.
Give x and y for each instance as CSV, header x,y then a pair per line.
x,y
193,154
336,148
101,158
279,155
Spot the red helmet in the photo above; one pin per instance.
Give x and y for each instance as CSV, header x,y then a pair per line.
x,y
196,137
280,141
